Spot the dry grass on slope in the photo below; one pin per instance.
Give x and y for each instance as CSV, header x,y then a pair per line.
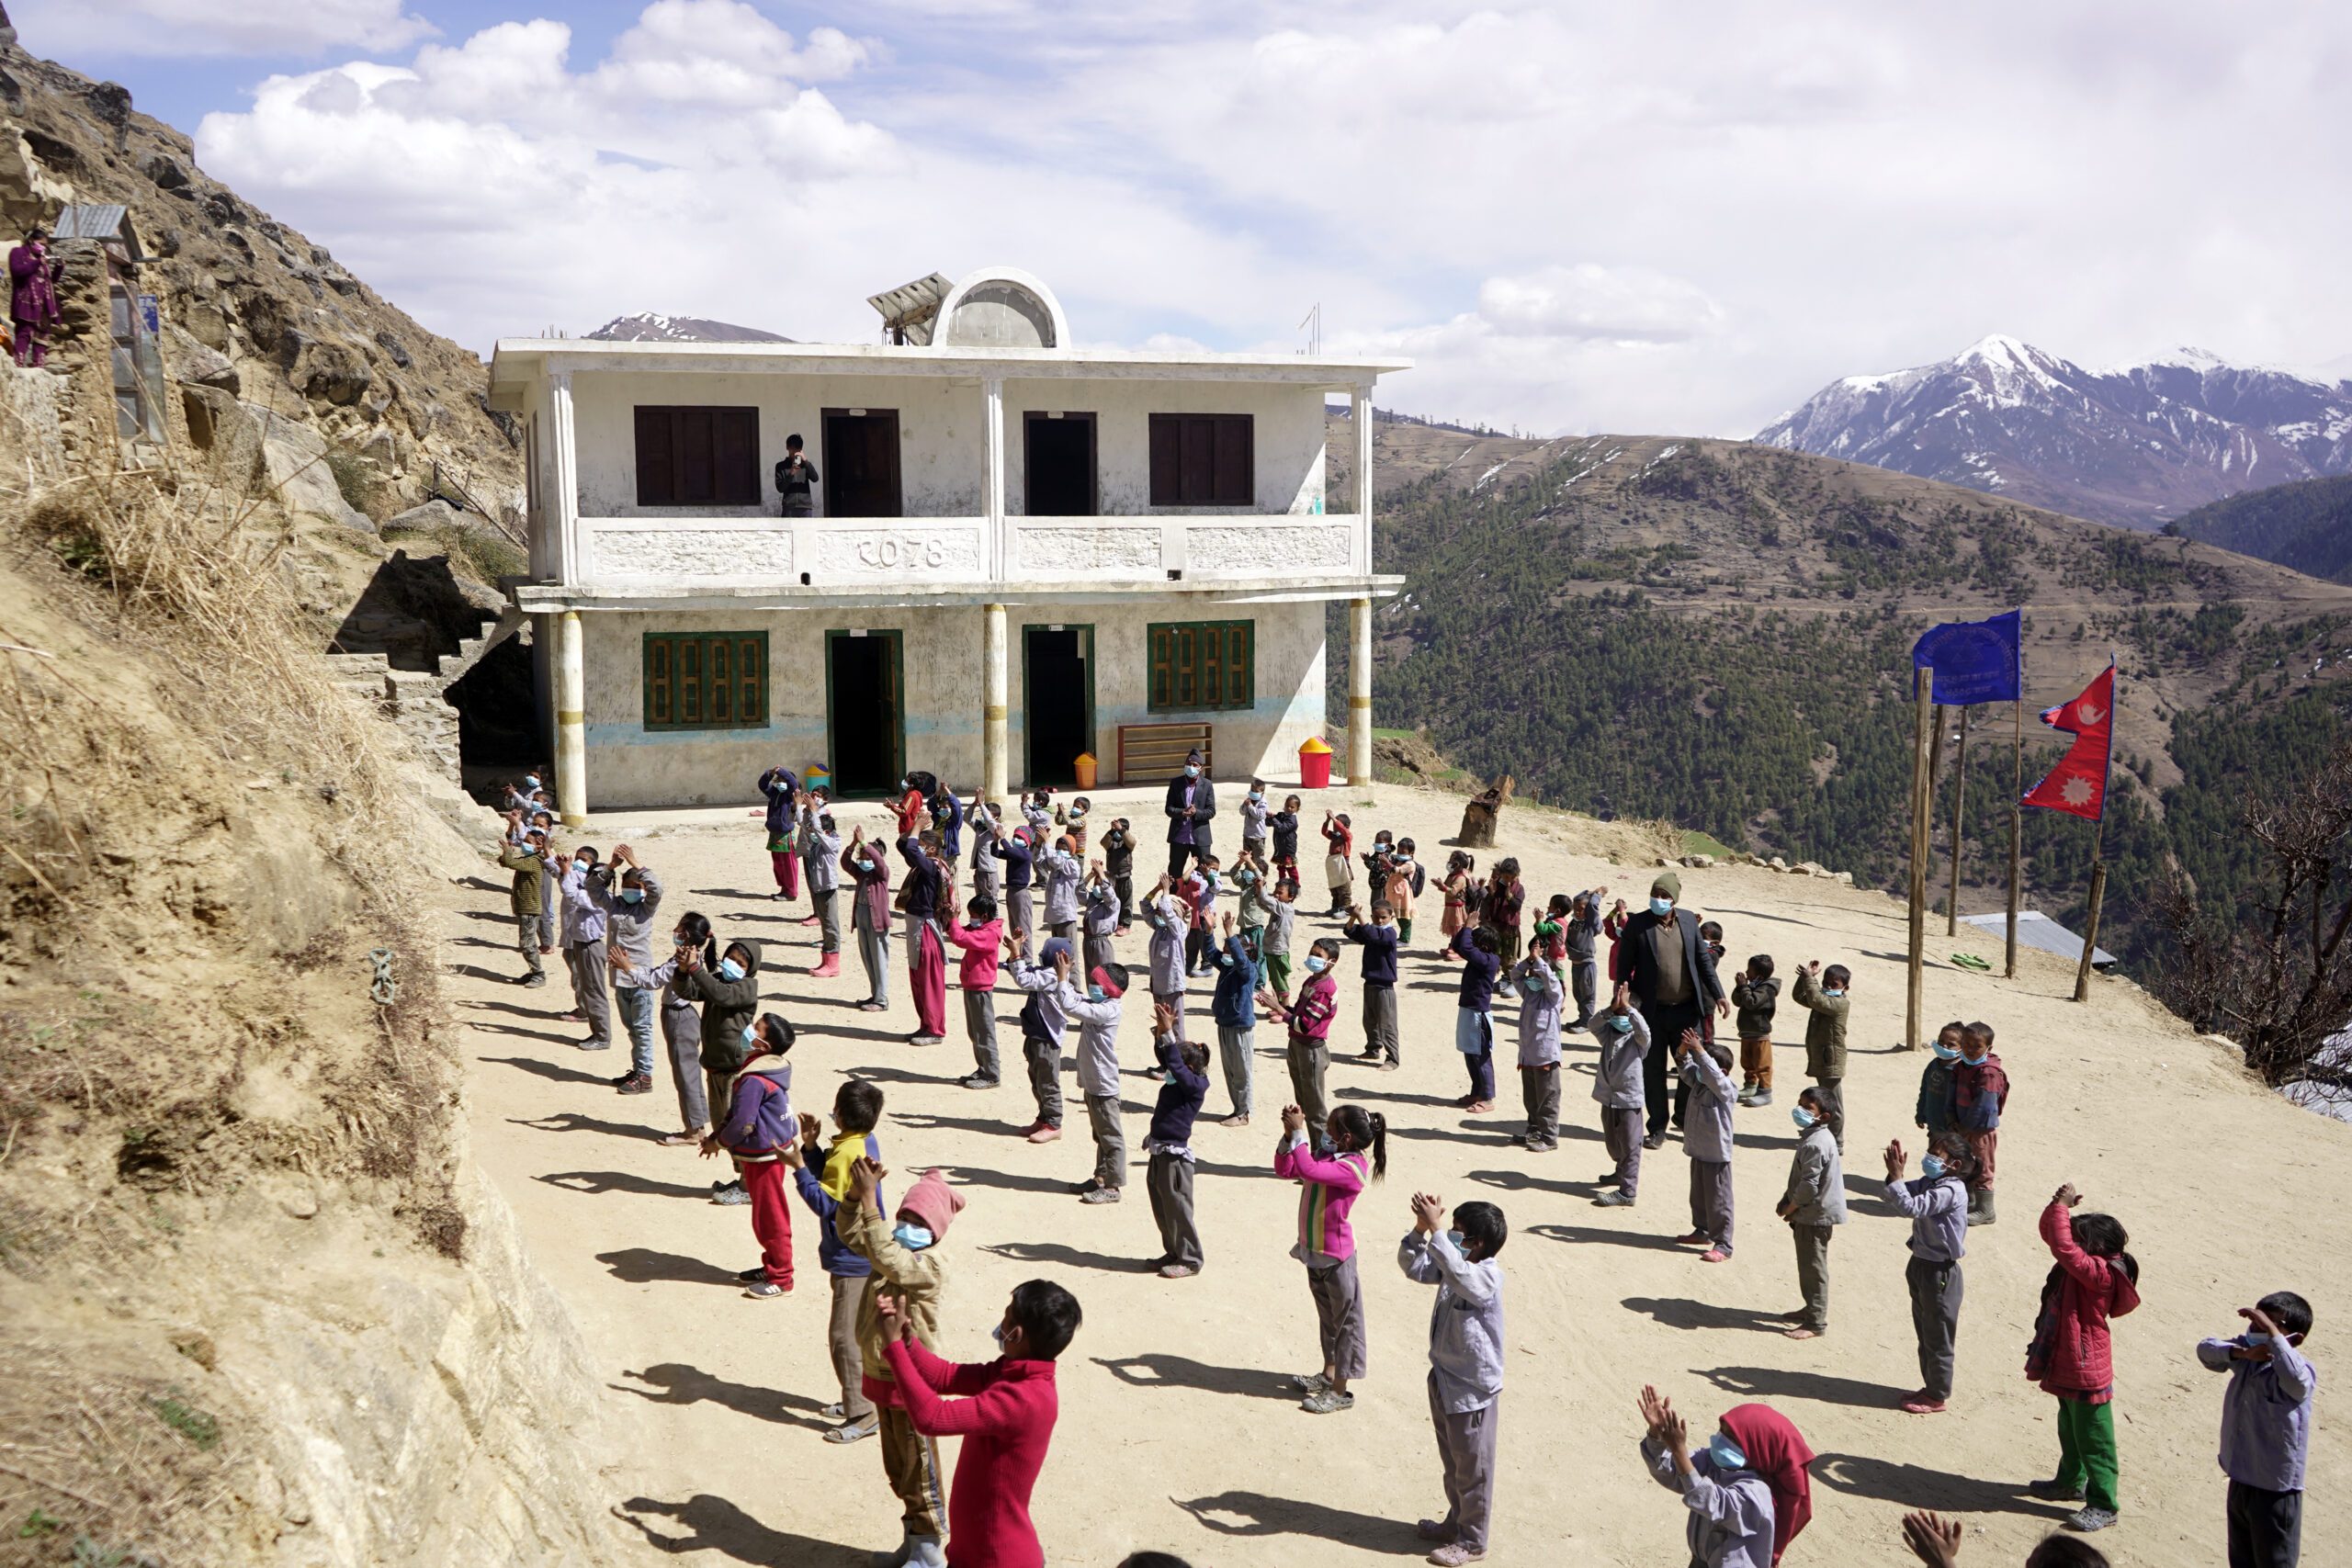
x,y
206,841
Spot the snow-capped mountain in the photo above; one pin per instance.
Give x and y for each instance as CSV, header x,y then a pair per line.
x,y
2134,445
648,326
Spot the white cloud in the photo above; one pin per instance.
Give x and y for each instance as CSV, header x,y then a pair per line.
x,y
1575,216
63,27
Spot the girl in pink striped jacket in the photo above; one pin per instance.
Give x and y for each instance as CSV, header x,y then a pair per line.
x,y
1358,1153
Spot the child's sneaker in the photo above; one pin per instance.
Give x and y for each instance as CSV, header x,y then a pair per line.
x,y
1100,1195
1693,1239
730,1194
1328,1402
1041,1133
752,1277
1455,1554
2085,1520
1920,1405
1310,1382
976,1080
2056,1490
1714,1255
1177,1271
765,1290
1763,1097
1615,1198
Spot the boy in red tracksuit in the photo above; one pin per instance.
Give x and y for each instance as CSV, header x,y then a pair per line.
x,y
1005,1417
759,1127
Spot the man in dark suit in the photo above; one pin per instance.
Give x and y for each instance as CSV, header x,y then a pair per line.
x,y
1672,976
1191,801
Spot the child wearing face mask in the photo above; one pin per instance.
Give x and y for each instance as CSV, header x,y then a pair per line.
x,y
1706,1138
868,869
1757,995
1455,887
907,1267
1465,1362
2266,1428
1168,1177
1473,1024
1624,1039
1073,819
1746,1491
1980,1091
1274,947
1937,1204
1813,1204
1823,992
1309,1047
2072,1354
1200,891
760,1127
1234,1009
1403,881
1097,917
1378,937
1119,863
1541,1004
1062,870
1932,1112
1164,913
979,942
1254,815
1354,1153
1096,1012
1338,861
1284,826
729,996
820,1171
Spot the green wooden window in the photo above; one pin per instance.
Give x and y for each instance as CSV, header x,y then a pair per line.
x,y
705,680
1201,664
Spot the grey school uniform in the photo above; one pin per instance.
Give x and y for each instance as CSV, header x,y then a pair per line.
x,y
1816,1200
1061,873
2266,1441
1098,1076
988,870
1254,812
1166,918
1539,1053
1042,1051
820,858
1731,1514
584,953
1938,1212
1466,1374
1617,1086
1706,1138
682,1034
1101,917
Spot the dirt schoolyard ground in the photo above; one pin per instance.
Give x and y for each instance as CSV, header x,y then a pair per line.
x,y
1177,1431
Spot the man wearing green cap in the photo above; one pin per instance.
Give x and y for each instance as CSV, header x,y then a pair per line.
x,y
1672,977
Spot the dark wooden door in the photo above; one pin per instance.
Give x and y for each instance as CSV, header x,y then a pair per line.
x,y
860,478
1058,465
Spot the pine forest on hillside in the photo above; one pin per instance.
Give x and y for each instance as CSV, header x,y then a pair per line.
x,y
1720,634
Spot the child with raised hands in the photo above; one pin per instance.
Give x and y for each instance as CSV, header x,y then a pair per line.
x,y
1328,1186
1465,1362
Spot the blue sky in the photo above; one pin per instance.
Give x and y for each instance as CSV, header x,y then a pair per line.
x,y
1575,216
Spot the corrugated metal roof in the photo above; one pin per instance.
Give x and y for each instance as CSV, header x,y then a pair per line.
x,y
2038,930
99,223
910,306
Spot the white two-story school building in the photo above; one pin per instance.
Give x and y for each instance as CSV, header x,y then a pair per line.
x,y
1016,551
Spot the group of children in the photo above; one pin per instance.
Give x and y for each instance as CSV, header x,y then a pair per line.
x,y
731,1062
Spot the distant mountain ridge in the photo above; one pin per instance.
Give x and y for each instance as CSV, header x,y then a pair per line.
x,y
2307,525
651,326
2133,444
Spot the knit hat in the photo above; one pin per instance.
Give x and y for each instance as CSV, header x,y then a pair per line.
x,y
1054,947
1668,883
933,1203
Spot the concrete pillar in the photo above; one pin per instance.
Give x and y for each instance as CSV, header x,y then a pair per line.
x,y
1360,693
992,471
570,721
1360,415
563,502
996,751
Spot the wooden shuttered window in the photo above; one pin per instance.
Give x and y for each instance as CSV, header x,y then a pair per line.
x,y
1202,459
1197,665
705,680
697,457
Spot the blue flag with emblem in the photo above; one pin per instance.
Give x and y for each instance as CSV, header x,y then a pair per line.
x,y
1973,662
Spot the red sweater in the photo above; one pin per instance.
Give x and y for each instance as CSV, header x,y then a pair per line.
x,y
1006,1421
2072,1353
982,945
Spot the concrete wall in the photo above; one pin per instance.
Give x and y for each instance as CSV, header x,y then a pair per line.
x,y
940,434
629,766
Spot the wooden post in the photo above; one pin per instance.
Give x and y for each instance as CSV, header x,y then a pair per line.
x,y
1959,795
2099,892
2017,828
1921,718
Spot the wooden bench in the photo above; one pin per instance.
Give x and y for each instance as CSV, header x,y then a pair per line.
x,y
1152,752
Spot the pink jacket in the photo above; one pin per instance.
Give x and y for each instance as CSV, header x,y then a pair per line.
x,y
982,946
2072,1351
1330,1192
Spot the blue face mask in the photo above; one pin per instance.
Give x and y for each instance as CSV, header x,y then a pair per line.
x,y
1255,797
1801,1116
1534,981
910,1236
731,971
1094,993
1725,1453
1661,906
751,1036
1208,880
1622,1023
1930,1167
1827,992
1245,878
1191,772
864,864
530,781
1945,1053
632,895
1459,1245
1315,964
1970,1061
995,1332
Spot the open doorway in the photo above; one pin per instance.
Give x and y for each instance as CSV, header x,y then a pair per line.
x,y
1058,701
862,463
1058,465
866,730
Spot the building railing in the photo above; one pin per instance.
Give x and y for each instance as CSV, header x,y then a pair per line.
x,y
952,551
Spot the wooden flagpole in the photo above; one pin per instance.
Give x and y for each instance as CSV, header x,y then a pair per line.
x,y
1928,795
1921,718
2098,866
1959,795
2016,825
